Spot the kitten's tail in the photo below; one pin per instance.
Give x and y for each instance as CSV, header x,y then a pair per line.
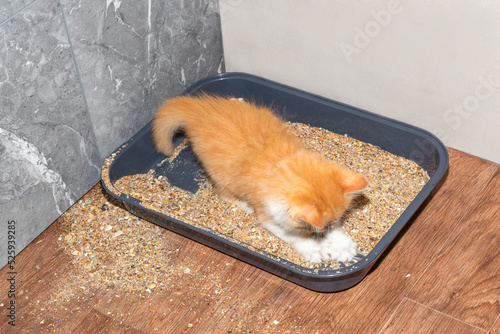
x,y
168,120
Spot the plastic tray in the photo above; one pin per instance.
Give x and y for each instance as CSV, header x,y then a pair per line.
x,y
139,156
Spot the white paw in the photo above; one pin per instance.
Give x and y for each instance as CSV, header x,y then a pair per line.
x,y
310,249
336,245
339,246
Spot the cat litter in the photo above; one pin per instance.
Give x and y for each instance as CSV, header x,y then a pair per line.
x,y
402,164
394,183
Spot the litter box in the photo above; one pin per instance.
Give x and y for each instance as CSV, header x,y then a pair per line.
x,y
138,156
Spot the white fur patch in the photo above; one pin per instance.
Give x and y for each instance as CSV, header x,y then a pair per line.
x,y
339,246
277,212
310,249
244,206
334,245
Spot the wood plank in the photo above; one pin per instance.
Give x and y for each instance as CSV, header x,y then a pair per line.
x,y
216,286
43,271
412,317
253,302
495,329
464,279
162,308
96,322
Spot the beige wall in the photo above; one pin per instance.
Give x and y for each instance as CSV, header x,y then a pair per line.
x,y
433,64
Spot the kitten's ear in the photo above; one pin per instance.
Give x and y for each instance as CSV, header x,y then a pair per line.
x,y
310,214
352,182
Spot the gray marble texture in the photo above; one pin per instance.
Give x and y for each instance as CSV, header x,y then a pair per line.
x,y
49,158
134,54
9,8
77,79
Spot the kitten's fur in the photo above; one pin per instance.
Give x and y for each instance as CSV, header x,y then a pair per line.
x,y
253,161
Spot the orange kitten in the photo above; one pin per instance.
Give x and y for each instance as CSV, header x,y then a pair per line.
x,y
253,161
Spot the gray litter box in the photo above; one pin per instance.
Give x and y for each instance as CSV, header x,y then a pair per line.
x,y
139,156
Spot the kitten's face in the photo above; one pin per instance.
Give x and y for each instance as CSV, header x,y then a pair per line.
x,y
313,214
319,198
305,218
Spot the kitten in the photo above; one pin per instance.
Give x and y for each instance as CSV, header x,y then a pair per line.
x,y
253,161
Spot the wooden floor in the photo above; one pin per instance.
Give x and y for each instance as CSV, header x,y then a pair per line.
x,y
441,276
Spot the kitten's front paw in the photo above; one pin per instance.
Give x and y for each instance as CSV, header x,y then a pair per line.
x,y
310,249
336,245
339,246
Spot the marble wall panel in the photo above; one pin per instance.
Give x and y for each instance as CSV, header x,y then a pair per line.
x,y
49,157
77,79
10,7
134,54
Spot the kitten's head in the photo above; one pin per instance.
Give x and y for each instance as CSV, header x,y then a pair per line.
x,y
318,192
